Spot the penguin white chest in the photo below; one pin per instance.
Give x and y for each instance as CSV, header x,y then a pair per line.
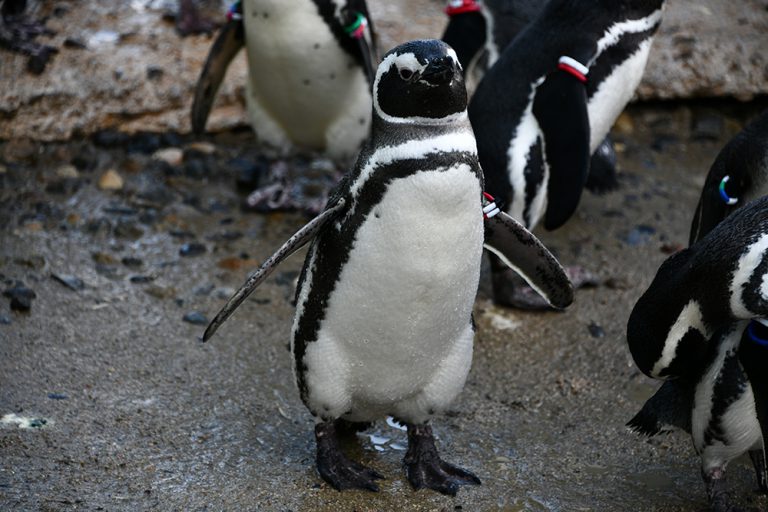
x,y
614,93
404,298
302,84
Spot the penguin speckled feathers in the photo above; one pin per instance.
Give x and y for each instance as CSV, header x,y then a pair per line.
x,y
384,303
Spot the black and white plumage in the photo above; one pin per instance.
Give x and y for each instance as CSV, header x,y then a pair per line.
x,y
538,118
699,326
384,302
738,175
309,68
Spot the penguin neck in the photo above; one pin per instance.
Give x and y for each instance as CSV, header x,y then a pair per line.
x,y
388,132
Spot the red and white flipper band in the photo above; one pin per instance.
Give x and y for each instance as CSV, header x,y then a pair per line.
x,y
574,67
461,6
490,209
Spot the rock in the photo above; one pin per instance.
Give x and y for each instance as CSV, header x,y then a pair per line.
x,y
19,151
57,396
111,180
21,297
192,249
160,292
639,235
707,126
205,148
103,258
171,156
595,330
5,320
70,281
195,318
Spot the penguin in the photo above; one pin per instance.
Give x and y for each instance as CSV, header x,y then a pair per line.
x,y
309,64
383,322
701,326
738,175
18,33
479,29
543,108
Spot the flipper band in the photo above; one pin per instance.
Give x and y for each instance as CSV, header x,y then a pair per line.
x,y
356,29
490,210
753,336
461,6
574,67
730,201
235,11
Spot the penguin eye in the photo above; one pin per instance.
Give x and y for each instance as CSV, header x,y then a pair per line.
x,y
405,73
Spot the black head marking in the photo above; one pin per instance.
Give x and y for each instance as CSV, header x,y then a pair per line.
x,y
419,81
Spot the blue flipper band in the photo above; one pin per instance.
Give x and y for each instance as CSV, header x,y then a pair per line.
x,y
730,201
754,337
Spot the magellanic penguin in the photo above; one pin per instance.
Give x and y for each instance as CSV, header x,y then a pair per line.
x,y
383,321
480,29
310,63
542,109
701,326
738,175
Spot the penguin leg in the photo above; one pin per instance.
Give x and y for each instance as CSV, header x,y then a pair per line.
x,y
511,290
17,34
758,461
718,496
190,21
335,468
425,468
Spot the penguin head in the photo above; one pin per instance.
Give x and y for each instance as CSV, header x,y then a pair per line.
x,y
420,82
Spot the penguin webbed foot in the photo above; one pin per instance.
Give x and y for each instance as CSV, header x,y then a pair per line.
x,y
425,468
511,290
17,34
717,494
338,470
189,20
288,189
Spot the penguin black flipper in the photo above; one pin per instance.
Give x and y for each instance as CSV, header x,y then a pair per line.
x,y
560,107
298,240
669,407
511,242
228,43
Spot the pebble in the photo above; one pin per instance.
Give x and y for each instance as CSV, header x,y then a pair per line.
x,y
141,279
172,156
595,330
192,249
160,292
18,151
5,320
196,318
67,171
639,235
70,281
111,180
57,396
203,147
132,262
103,258
21,297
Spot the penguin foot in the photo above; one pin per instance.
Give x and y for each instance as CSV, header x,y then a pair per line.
x,y
425,468
510,290
17,34
335,468
718,496
307,192
189,21
761,472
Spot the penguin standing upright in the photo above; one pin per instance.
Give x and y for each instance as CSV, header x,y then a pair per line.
x,y
480,29
542,109
693,328
310,65
383,321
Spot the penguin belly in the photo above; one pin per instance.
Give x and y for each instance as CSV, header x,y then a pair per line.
x,y
724,420
397,335
303,89
614,92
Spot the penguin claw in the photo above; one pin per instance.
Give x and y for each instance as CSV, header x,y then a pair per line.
x,y
425,469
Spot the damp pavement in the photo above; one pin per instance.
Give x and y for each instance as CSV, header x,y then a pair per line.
x,y
116,250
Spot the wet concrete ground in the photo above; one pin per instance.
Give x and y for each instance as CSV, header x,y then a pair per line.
x,y
132,412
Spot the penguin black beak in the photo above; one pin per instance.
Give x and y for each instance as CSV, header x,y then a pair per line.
x,y
439,71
